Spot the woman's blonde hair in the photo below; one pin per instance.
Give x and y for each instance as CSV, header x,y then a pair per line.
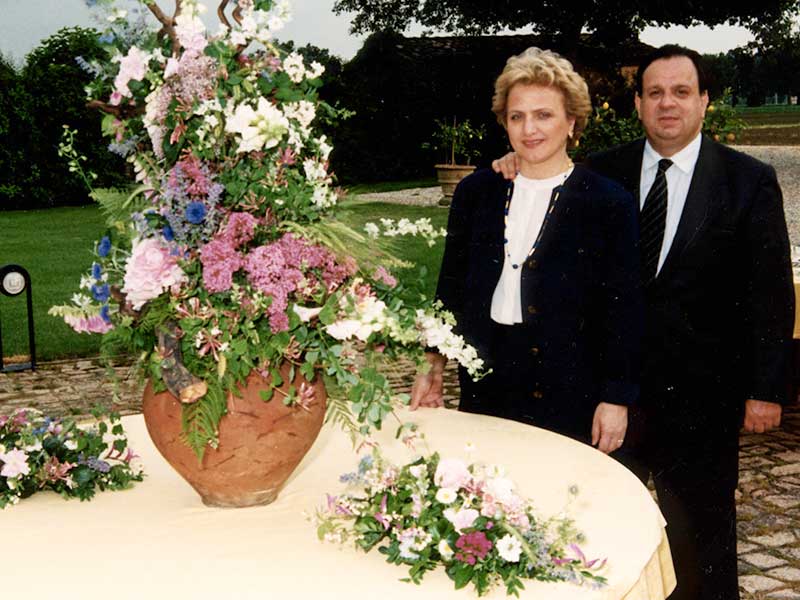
x,y
543,67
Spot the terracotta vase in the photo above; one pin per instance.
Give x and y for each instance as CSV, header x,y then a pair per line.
x,y
260,443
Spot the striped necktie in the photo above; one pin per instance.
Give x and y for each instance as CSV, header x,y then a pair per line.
x,y
652,222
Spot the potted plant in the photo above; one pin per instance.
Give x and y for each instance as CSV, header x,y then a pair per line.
x,y
458,143
226,274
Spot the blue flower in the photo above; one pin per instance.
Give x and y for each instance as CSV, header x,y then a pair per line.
x,y
101,293
104,313
168,234
106,38
195,212
98,465
97,271
104,247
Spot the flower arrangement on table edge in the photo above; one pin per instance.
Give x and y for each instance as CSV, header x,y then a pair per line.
x,y
39,452
227,258
467,518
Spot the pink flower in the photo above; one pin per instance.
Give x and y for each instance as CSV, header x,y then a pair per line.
x,y
132,67
150,270
384,277
220,261
15,463
88,324
240,228
473,547
451,473
461,519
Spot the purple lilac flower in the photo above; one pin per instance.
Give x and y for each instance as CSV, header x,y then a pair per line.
x,y
104,247
101,293
98,465
195,212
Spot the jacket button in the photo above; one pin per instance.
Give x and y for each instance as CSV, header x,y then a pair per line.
x,y
538,394
531,263
535,350
531,310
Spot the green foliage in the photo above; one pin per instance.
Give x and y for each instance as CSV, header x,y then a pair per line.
x,y
458,141
18,174
722,122
606,129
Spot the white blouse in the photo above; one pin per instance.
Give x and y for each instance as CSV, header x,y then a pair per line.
x,y
529,203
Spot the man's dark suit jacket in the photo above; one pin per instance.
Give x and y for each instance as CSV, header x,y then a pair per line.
x,y
581,299
720,313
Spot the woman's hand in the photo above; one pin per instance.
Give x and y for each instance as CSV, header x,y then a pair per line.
x,y
508,165
428,387
609,426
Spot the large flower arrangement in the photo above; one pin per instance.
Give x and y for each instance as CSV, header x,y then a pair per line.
x,y
466,517
227,258
39,452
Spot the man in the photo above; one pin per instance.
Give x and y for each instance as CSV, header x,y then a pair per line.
x,y
719,312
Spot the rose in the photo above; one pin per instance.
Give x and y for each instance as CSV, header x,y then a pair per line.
x,y
461,519
150,270
451,473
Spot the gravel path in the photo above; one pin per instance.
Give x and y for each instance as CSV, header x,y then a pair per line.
x,y
786,161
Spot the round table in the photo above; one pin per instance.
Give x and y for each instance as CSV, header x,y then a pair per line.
x,y
158,540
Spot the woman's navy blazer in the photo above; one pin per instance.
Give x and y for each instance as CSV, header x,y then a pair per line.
x,y
581,295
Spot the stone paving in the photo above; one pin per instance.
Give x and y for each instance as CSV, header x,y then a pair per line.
x,y
768,495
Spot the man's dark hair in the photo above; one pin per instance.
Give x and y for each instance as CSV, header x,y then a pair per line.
x,y
671,51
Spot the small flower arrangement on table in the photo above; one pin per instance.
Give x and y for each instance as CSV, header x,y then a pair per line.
x,y
467,518
39,452
227,259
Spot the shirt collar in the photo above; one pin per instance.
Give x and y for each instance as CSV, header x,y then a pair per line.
x,y
685,160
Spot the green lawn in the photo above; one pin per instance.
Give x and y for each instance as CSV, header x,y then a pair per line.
x,y
54,246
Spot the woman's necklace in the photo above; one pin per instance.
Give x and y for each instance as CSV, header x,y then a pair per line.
x,y
553,200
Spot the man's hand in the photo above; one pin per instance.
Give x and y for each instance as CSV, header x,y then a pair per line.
x,y
508,165
760,416
428,387
609,426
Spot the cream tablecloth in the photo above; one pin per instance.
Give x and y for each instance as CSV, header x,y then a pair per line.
x,y
157,540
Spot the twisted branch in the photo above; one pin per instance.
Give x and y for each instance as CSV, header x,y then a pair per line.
x,y
179,381
122,112
168,24
221,13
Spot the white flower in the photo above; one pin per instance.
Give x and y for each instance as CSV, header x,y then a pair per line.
x,y
509,548
372,230
302,111
314,171
305,313
260,128
502,489
35,447
446,495
343,329
316,70
445,550
418,471
71,445
294,67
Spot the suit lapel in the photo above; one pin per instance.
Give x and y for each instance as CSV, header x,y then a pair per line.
x,y
698,204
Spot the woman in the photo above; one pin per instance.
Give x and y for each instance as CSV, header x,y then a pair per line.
x,y
542,272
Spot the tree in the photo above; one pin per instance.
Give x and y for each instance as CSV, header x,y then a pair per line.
x,y
55,82
610,20
17,173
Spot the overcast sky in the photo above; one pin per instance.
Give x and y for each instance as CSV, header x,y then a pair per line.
x,y
24,23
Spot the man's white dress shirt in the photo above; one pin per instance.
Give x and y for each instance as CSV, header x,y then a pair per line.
x,y
679,177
